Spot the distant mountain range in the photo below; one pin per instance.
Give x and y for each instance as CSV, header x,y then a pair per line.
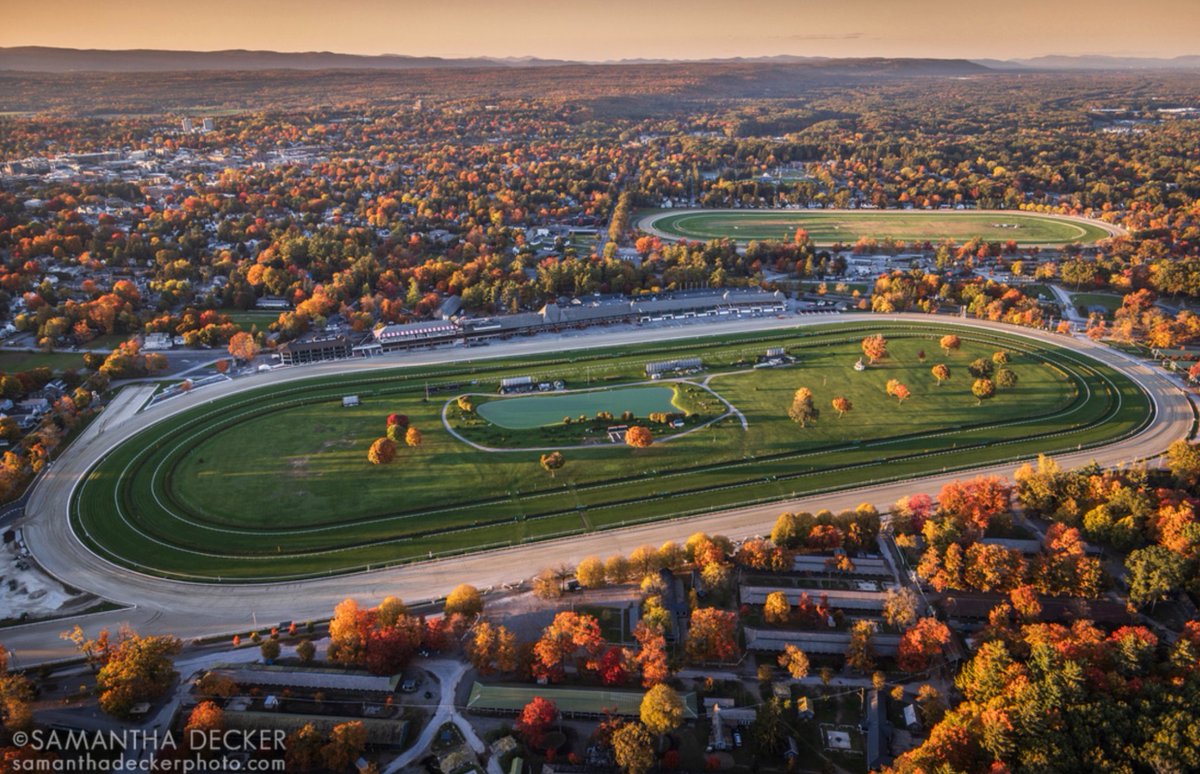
x,y
1093,63
62,60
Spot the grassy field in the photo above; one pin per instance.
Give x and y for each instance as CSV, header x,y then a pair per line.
x,y
251,318
12,362
1037,290
1110,302
275,483
848,227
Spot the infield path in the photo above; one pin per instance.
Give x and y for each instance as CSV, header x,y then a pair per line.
x,y
192,610
649,223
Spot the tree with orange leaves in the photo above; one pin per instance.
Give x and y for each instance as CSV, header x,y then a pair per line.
x,y
243,346
976,502
842,406
897,390
712,635
875,348
382,451
1025,602
1063,567
205,717
569,634
639,437
346,642
652,653
492,648
950,343
922,642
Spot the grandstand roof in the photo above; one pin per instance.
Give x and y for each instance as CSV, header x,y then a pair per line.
x,y
833,642
570,701
416,331
274,676
845,599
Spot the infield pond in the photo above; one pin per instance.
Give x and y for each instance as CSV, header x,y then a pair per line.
x,y
532,411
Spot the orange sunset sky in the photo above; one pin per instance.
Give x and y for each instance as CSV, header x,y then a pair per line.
x,y
617,29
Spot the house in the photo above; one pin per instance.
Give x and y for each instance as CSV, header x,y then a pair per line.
x,y
156,341
56,388
449,308
272,302
34,406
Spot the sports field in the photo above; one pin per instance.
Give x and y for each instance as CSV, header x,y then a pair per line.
x,y
275,483
828,227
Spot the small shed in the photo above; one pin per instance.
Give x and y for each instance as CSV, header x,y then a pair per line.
x,y
350,401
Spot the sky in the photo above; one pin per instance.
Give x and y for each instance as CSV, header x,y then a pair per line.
x,y
619,29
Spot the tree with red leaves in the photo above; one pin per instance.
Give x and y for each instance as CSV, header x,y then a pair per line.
x,y
612,667
535,720
389,649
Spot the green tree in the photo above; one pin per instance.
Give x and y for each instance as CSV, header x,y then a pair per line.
x,y
1006,378
802,411
1155,573
305,650
270,649
768,733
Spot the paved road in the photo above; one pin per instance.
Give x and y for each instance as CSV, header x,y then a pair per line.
x,y
449,674
191,610
1069,310
649,223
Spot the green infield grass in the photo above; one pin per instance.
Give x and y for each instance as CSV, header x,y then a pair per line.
x,y
274,483
848,227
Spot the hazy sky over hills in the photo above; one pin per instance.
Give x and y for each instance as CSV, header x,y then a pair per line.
x,y
616,29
